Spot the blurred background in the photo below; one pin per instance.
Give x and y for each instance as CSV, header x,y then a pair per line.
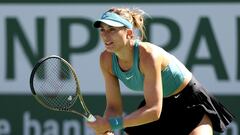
x,y
203,34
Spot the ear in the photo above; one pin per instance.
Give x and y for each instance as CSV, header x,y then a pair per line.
x,y
129,33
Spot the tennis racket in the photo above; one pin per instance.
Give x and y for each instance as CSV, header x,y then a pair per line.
x,y
55,85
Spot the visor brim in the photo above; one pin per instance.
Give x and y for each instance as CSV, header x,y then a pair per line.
x,y
108,22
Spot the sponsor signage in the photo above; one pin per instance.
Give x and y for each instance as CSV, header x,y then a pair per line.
x,y
203,36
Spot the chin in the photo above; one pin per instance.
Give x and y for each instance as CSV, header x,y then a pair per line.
x,y
109,50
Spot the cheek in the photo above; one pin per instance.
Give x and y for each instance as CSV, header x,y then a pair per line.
x,y
101,36
121,35
104,36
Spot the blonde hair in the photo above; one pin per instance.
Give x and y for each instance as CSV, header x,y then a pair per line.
x,y
134,16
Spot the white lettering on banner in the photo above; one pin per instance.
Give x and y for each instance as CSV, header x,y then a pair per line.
x,y
31,124
5,128
223,19
232,128
53,127
49,126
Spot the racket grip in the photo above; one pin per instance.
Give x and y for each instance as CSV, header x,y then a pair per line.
x,y
91,118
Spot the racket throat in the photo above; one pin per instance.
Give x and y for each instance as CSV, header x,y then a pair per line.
x,y
89,117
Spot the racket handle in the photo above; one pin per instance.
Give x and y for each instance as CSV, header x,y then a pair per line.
x,y
91,118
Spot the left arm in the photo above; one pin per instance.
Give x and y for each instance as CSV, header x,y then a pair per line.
x,y
150,64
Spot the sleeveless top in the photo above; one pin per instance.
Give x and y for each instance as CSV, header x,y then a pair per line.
x,y
173,74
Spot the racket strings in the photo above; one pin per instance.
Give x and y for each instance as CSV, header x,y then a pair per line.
x,y
58,88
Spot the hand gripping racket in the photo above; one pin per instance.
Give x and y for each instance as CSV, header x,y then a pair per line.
x,y
55,85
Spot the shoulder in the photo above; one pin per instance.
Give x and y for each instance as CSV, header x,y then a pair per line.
x,y
151,56
149,52
105,55
106,60
148,57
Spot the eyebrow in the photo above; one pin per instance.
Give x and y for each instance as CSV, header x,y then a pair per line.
x,y
106,26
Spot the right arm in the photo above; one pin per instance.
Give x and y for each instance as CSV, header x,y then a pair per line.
x,y
112,88
113,96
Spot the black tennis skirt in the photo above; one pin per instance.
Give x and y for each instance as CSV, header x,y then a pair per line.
x,y
182,112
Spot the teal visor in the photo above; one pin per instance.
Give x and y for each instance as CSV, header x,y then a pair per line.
x,y
114,20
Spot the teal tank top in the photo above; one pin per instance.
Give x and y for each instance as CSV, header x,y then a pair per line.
x,y
132,78
172,75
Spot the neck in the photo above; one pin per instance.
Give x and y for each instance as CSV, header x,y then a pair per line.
x,y
126,53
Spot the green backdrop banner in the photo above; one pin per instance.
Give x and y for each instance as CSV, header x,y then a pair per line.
x,y
22,115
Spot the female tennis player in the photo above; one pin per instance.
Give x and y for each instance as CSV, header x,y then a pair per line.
x,y
174,101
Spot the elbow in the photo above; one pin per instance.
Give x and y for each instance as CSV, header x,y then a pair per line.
x,y
156,112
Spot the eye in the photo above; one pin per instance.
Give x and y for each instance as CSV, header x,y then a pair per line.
x,y
112,29
101,30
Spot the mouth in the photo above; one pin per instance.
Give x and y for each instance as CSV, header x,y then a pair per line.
x,y
108,43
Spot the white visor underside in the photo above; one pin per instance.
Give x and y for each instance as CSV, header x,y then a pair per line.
x,y
112,23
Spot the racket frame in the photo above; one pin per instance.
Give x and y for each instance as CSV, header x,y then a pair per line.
x,y
87,115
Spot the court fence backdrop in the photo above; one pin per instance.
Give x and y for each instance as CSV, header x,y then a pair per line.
x,y
205,35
